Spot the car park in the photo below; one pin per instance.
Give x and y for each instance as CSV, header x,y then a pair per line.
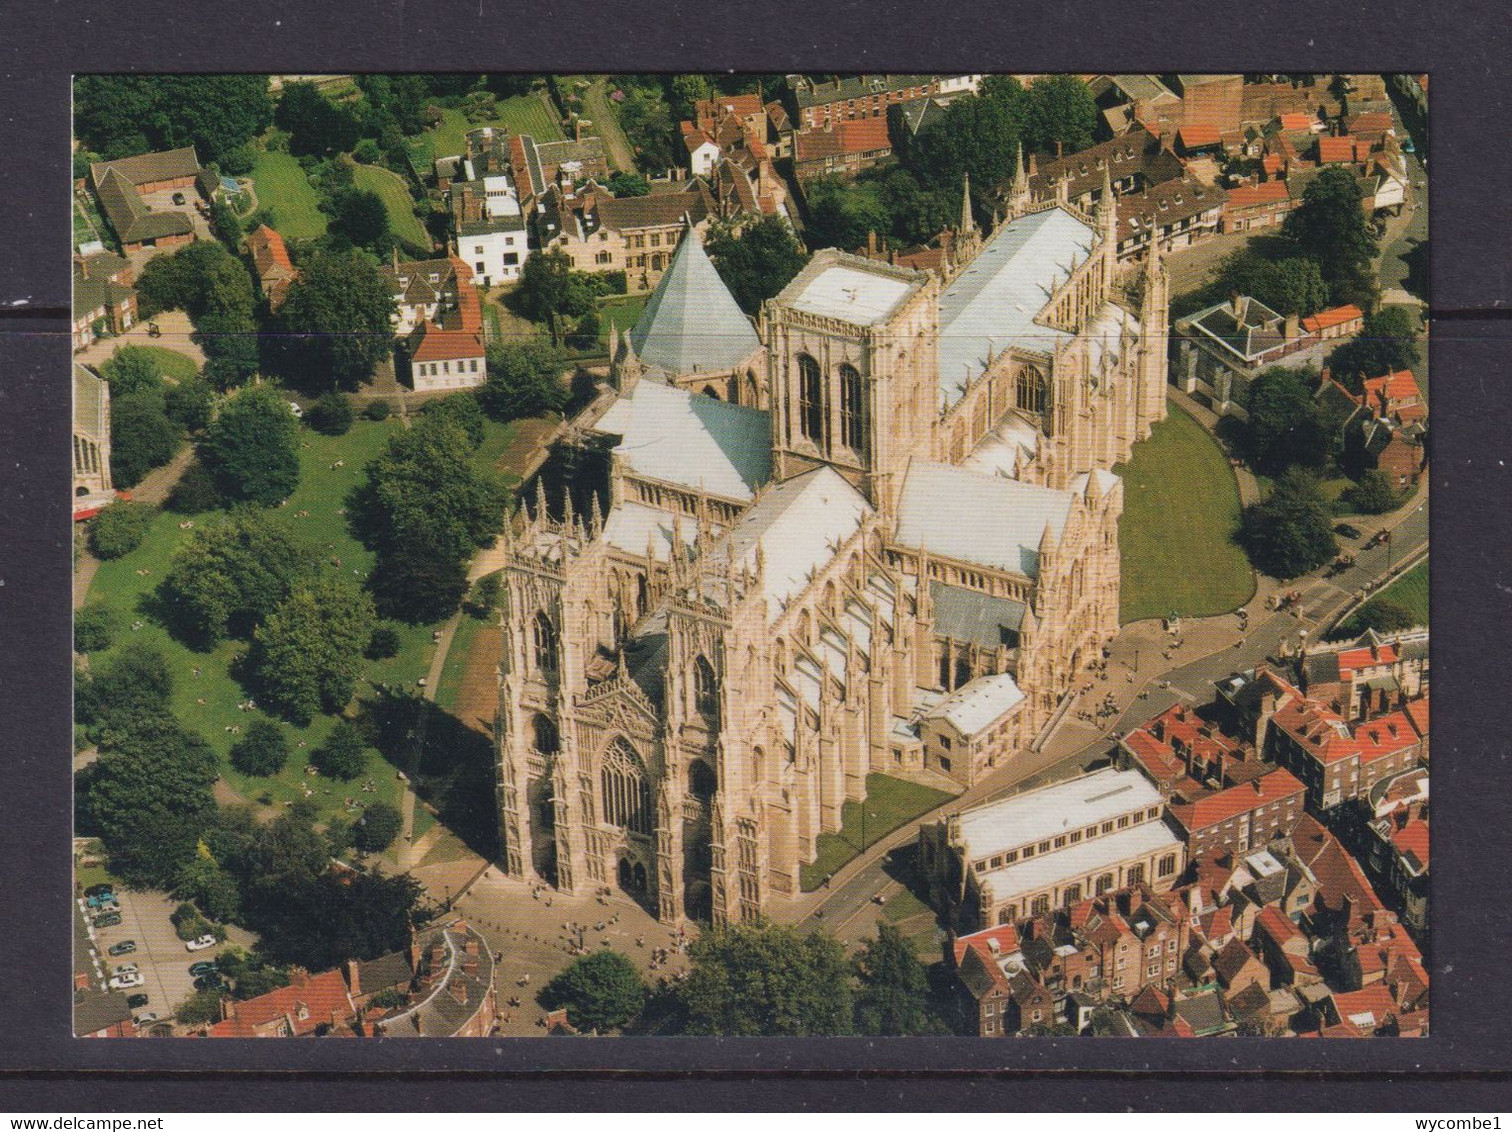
x,y
136,1001
204,967
126,969
125,947
107,920
200,944
103,902
126,982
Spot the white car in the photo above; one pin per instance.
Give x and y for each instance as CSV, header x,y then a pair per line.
x,y
127,969
126,982
144,1018
200,944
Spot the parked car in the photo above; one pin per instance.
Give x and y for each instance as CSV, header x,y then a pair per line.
x,y
107,920
1347,530
125,947
200,944
145,1018
212,981
104,902
126,969
178,198
126,982
99,890
136,1001
203,967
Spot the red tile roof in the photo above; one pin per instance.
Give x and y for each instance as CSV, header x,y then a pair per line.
x,y
1351,659
1218,808
1252,196
1319,730
1332,149
1200,134
307,1003
1413,839
1281,930
1394,386
1417,715
1297,121
1006,936
1385,735
1331,317
1374,1001
434,344
1271,163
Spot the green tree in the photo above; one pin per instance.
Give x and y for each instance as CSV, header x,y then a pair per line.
x,y
1286,427
685,90
232,345
233,572
134,691
119,528
383,644
252,447
344,753
545,293
257,981
331,414
1292,285
200,1008
125,114
601,991
416,584
263,751
360,216
648,125
225,224
190,404
95,628
759,979
337,321
894,988
486,594
975,136
213,890
1387,343
320,922
376,829
308,651
149,797
524,380
194,493
1381,614
629,185
317,126
842,214
202,278
1289,533
1374,494
1062,115
131,370
758,262
142,437
463,410
1330,226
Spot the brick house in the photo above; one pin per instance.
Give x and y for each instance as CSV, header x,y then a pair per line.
x,y
310,1006
841,149
121,186
104,302
445,347
447,980
1336,762
270,259
862,96
636,235
1179,213
1371,675
1250,208
1335,322
1242,817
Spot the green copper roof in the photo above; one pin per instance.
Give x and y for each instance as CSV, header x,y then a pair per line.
x,y
692,323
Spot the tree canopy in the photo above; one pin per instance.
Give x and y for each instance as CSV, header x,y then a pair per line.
x,y
344,753
759,979
252,447
320,922
142,436
262,751
309,650
1291,532
1062,115
119,528
122,115
601,991
894,987
361,216
336,320
317,126
132,369
376,829
1286,425
1330,226
524,380
1387,342
758,262
1374,494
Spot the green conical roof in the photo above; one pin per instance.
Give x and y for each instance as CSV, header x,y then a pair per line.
x,y
692,323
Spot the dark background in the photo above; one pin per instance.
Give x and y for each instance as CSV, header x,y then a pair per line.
x,y
1465,1065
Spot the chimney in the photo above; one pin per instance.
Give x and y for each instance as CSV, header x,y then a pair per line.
x,y
1293,328
354,980
1256,784
1234,304
83,262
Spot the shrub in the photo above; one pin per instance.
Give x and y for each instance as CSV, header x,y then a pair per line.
x,y
367,152
119,529
200,1007
263,751
1375,494
378,410
188,923
383,644
331,414
195,492
376,829
94,629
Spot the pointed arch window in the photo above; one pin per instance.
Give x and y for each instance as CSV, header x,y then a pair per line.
x,y
705,690
852,409
1031,390
627,795
811,406
545,644
544,735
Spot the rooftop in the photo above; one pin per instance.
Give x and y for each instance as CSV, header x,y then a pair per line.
x,y
978,704
852,290
1049,869
1055,809
691,323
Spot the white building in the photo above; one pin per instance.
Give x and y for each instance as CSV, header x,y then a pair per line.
x,y
491,228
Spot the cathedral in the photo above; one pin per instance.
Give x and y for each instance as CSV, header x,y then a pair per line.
x,y
874,532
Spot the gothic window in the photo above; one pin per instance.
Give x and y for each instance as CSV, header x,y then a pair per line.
x,y
705,690
829,600
640,595
852,409
1072,896
758,765
701,781
1135,875
1104,883
811,399
545,644
627,795
1031,390
1040,906
1167,864
545,737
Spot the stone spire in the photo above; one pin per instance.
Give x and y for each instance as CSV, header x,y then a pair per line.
x,y
967,224
1020,199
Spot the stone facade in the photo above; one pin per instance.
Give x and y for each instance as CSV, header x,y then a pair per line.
x,y
703,668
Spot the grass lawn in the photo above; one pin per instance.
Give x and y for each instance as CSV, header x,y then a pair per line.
x,y
1181,508
172,364
904,905
530,114
455,665
283,186
625,310
889,803
1409,591
397,199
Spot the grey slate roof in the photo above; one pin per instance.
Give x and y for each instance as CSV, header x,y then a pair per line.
x,y
967,615
993,303
692,323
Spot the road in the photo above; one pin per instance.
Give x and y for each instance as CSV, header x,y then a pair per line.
x,y
1143,686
